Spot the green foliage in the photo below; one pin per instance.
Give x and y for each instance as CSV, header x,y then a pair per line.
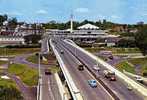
x,y
141,39
10,93
32,39
2,19
2,62
125,66
17,51
28,75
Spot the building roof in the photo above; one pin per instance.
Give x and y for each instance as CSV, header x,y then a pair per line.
x,y
88,26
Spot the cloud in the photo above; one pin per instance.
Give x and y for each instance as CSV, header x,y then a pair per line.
x,y
115,17
82,10
42,12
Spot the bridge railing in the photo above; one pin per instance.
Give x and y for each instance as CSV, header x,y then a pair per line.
x,y
75,92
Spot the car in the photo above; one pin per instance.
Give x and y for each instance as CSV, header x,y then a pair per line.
x,y
129,88
62,52
139,79
92,83
96,68
80,67
47,72
110,57
112,78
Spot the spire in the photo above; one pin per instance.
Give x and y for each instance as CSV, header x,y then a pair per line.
x,y
71,23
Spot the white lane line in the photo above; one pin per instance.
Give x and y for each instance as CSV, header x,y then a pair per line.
x,y
49,88
100,84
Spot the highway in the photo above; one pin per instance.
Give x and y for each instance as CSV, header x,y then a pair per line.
x,y
81,77
49,88
118,87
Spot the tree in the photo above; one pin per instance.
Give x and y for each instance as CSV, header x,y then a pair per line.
x,y
2,19
12,22
9,93
141,39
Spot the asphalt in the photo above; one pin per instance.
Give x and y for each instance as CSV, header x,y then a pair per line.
x,y
118,87
49,88
81,77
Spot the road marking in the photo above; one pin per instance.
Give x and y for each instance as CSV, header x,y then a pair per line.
x,y
49,88
100,84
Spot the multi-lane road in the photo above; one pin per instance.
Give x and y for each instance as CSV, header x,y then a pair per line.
x,y
70,57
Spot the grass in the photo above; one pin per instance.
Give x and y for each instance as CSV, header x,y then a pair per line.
x,y
55,69
34,59
142,62
124,65
2,62
7,83
28,75
114,50
17,51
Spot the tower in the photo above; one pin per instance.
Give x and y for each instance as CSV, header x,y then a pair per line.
x,y
71,23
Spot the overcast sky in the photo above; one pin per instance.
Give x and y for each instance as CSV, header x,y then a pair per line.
x,y
120,11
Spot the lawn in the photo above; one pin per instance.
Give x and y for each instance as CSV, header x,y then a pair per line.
x,y
124,65
2,62
28,75
7,83
55,69
17,51
34,59
142,62
114,50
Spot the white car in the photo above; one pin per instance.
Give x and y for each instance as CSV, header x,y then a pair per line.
x,y
139,79
96,68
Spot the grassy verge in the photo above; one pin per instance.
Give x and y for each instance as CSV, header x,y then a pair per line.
x,y
34,59
55,69
2,62
28,75
142,62
17,51
114,50
124,65
7,83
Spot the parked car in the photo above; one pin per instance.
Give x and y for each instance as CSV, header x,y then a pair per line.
x,y
92,83
47,72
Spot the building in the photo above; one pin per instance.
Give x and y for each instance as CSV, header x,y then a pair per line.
x,y
87,32
11,40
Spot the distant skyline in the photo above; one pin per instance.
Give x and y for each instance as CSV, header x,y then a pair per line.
x,y
118,11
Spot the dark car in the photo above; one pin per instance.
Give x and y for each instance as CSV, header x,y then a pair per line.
x,y
80,67
47,72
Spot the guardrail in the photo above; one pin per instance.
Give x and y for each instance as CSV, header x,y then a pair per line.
x,y
75,92
126,79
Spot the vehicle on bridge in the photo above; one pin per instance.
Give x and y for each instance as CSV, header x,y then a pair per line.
x,y
96,68
110,75
62,52
80,67
47,71
92,83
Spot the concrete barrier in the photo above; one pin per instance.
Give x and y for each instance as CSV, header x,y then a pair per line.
x,y
126,79
75,92
60,87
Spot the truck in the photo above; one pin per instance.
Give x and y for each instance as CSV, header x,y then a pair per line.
x,y
110,75
80,67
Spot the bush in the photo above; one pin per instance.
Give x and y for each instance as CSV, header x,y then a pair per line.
x,y
144,73
10,93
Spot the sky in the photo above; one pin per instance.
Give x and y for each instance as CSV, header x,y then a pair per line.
x,y
118,11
